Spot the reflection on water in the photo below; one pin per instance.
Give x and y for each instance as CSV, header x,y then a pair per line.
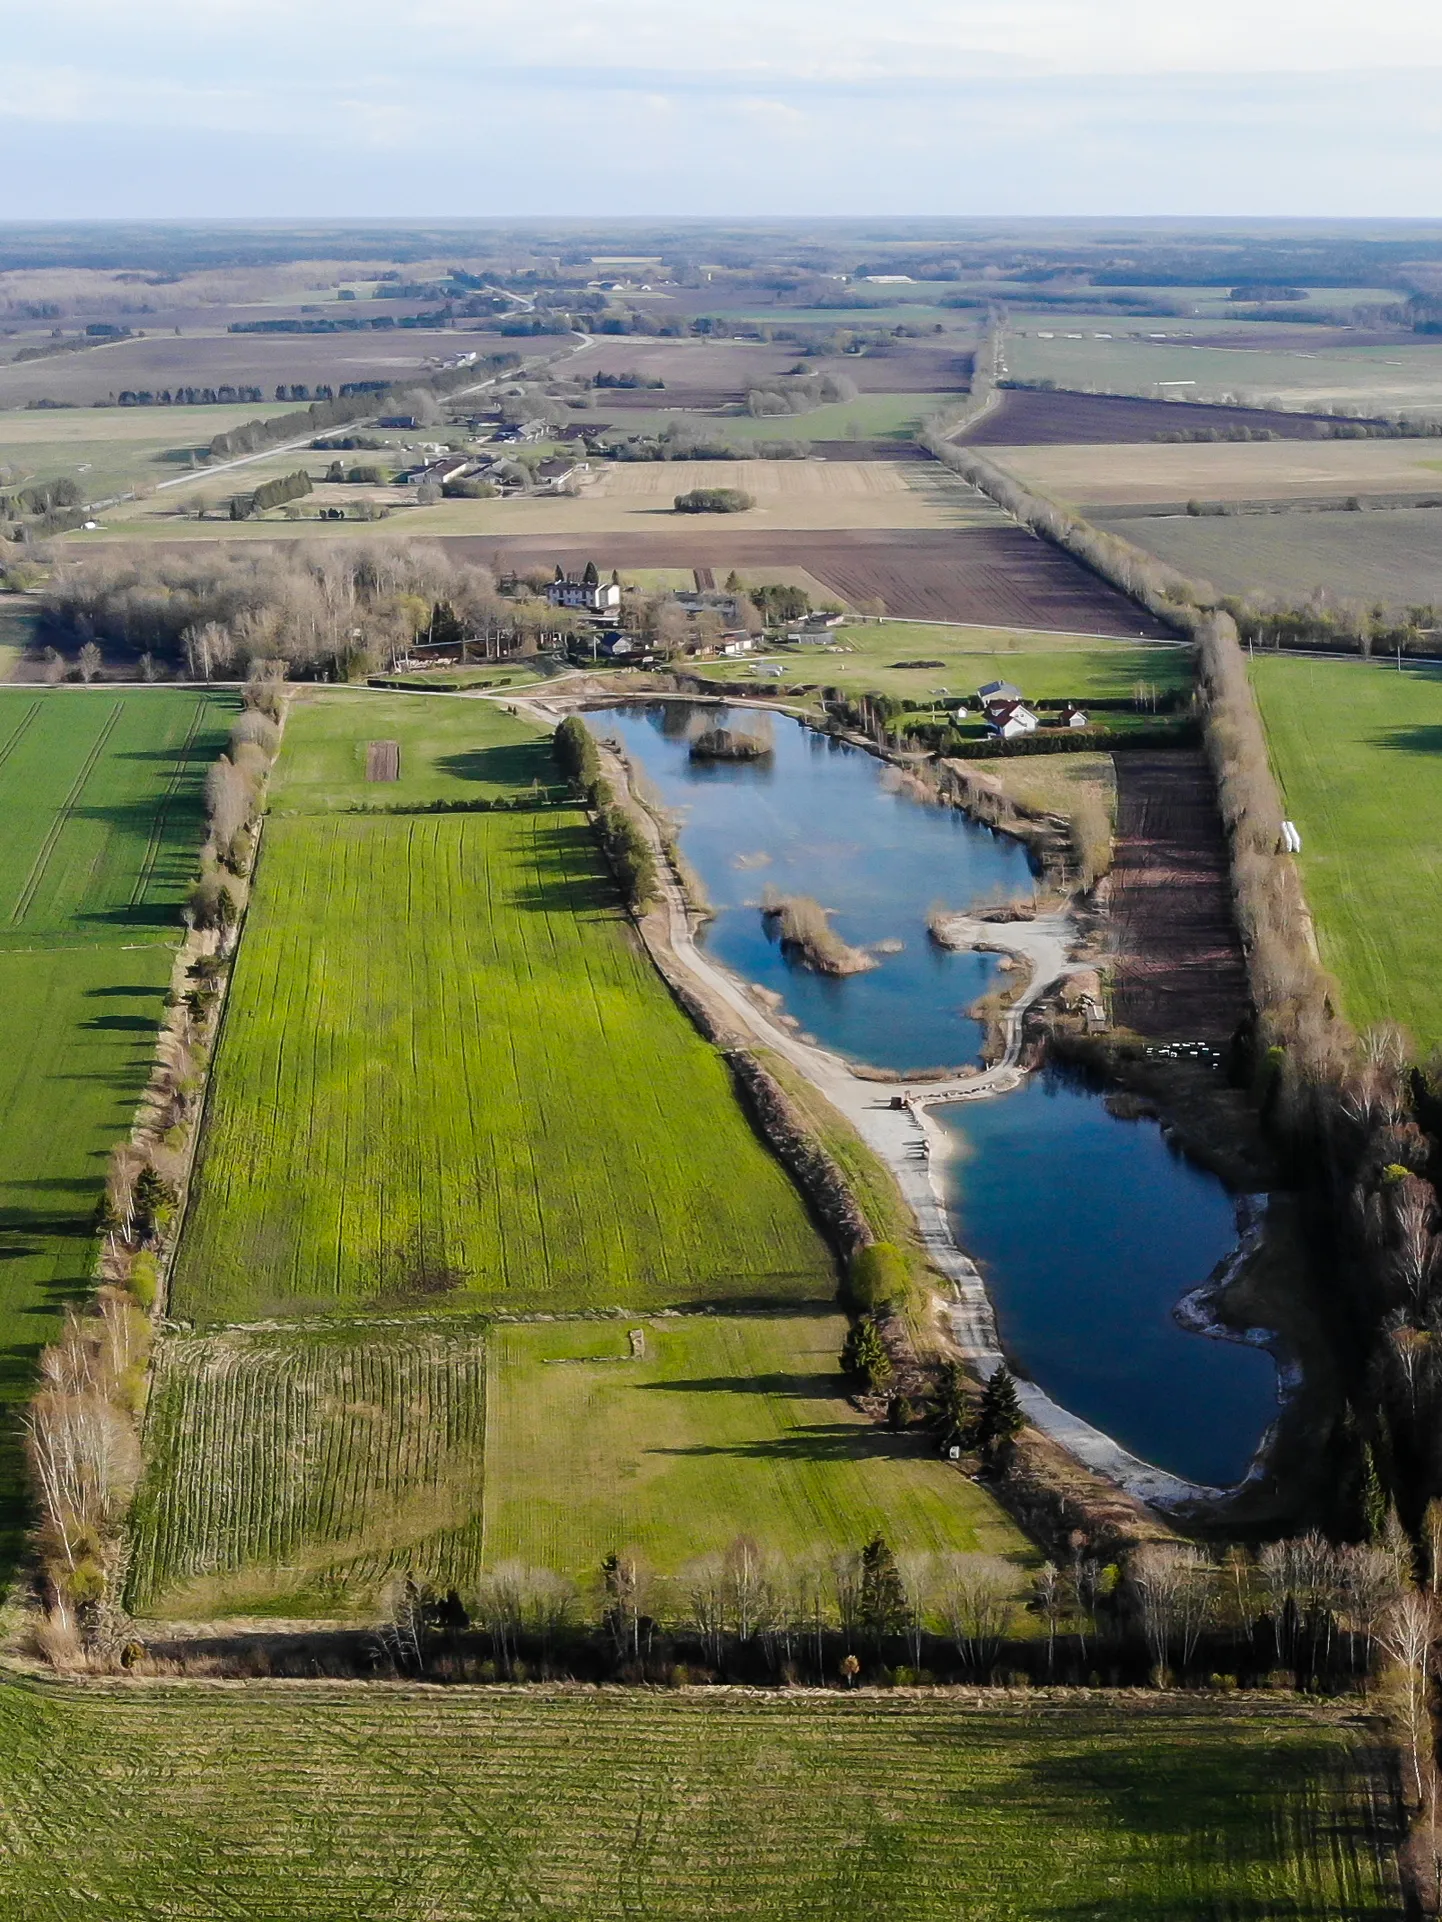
x,y
820,818
1088,1231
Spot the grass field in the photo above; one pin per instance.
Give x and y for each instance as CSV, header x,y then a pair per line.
x,y
1358,749
1162,471
1393,556
110,449
864,417
1319,374
293,1472
319,1805
727,1426
297,1471
99,796
450,751
446,1062
962,659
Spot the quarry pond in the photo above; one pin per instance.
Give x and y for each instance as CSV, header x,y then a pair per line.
x,y
1089,1229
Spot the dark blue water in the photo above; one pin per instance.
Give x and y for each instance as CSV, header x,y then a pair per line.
x,y
1088,1230
824,819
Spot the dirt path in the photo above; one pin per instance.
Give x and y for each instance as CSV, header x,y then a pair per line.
x,y
908,1140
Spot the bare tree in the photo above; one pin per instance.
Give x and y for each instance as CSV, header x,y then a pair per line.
x,y
977,1594
1408,1631
90,662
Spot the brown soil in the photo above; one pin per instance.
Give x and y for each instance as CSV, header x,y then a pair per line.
x,y
999,576
383,760
1022,418
1179,972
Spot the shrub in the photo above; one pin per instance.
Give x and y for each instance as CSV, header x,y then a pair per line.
x,y
879,1277
714,500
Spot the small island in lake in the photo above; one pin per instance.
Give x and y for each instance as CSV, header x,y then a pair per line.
x,y
807,934
731,744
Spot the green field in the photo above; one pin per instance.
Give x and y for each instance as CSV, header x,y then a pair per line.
x,y
727,1426
314,1804
293,1472
1044,666
1358,750
1393,555
111,449
448,1069
450,751
99,796
296,1472
864,417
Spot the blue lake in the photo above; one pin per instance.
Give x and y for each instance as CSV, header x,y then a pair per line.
x,y
823,819
1088,1229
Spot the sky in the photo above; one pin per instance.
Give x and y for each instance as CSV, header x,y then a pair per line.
x,y
457,108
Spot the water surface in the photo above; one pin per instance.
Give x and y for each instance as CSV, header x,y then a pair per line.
x,y
1088,1230
824,819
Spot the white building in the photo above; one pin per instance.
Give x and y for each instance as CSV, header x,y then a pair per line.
x,y
590,593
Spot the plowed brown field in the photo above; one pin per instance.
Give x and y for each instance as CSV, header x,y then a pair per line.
x,y
1179,972
992,576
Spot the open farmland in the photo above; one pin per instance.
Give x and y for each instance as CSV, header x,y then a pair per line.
x,y
295,1471
449,750
1393,556
1179,972
98,374
116,448
1160,471
99,794
726,1426
298,1471
18,623
915,661
447,1071
997,575
1358,751
1025,418
313,1804
1261,365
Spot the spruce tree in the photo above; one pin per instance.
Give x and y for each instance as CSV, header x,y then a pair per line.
x,y
883,1595
1001,1419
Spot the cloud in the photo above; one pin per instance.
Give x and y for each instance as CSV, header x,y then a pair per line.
x,y
489,107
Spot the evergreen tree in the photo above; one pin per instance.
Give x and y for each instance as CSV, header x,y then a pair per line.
x,y
864,1356
883,1596
1001,1419
954,1418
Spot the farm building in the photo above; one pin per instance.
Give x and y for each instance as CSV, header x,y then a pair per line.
x,y
996,691
590,593
1007,719
560,468
1072,716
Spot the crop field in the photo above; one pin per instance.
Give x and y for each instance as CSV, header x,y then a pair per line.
x,y
292,1472
1358,750
1307,372
215,359
1180,471
114,448
993,575
1023,418
99,794
1393,555
447,1071
918,660
317,1804
726,1426
297,1471
866,417
449,750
